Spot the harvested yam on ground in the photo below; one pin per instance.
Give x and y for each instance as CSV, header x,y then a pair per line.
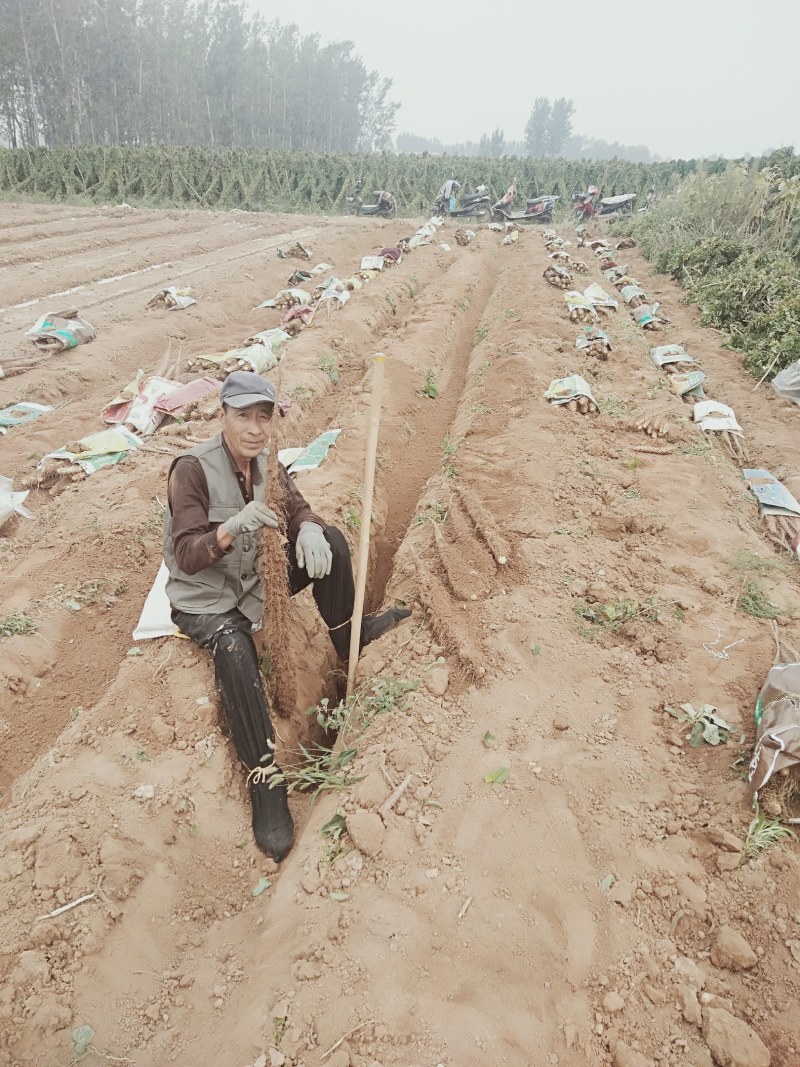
x,y
51,473
656,426
579,267
644,317
298,277
289,298
297,251
558,276
549,235
353,284
622,280
582,405
634,296
555,245
594,342
581,310
404,244
512,238
296,319
391,256
600,299
60,330
626,242
205,408
560,256
782,531
172,299
464,237
572,392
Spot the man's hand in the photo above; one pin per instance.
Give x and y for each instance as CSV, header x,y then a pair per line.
x,y
313,551
252,517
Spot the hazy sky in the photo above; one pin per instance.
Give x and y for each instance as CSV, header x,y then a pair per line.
x,y
685,77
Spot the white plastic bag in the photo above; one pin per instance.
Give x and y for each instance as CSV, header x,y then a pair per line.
x,y
786,382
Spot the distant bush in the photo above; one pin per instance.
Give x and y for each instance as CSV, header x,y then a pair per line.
x,y
732,239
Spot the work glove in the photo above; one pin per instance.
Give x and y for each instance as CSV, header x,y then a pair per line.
x,y
252,517
313,551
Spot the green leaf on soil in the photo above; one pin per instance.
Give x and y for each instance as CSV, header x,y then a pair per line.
x,y
489,740
608,881
260,886
496,777
337,896
334,827
81,1039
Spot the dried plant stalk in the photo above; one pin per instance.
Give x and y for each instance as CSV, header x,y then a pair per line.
x,y
275,583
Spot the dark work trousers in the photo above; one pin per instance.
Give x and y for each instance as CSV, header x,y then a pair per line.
x,y
228,636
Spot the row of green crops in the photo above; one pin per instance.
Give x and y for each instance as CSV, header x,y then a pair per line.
x,y
259,180
733,241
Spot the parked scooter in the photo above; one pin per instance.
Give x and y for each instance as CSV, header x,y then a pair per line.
x,y
385,206
540,209
477,205
592,203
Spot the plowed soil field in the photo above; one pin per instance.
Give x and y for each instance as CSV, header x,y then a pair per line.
x,y
533,867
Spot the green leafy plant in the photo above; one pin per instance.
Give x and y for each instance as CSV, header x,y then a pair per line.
x,y
754,601
437,512
376,697
330,365
481,333
411,286
352,518
334,829
322,769
706,725
17,624
449,449
497,777
431,386
747,562
301,393
741,764
390,301
609,618
763,833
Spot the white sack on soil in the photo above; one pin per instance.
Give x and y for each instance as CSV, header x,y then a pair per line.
x,y
786,382
11,503
156,617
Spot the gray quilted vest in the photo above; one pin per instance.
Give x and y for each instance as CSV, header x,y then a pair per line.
x,y
233,581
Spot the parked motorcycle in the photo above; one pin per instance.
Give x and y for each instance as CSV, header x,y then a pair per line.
x,y
592,203
384,207
477,205
540,209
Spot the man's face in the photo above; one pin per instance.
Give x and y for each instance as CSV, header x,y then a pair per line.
x,y
247,429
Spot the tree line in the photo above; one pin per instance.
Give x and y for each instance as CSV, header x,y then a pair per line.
x,y
143,72
548,133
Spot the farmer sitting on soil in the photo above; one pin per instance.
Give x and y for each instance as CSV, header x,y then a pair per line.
x,y
212,535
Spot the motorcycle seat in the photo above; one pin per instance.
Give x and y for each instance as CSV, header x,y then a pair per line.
x,y
624,198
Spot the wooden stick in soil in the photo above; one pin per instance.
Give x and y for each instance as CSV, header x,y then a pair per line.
x,y
378,363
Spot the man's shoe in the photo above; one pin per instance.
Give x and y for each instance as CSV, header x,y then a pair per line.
x,y
375,626
273,827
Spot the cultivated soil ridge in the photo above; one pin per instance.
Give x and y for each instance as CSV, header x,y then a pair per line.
x,y
530,865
